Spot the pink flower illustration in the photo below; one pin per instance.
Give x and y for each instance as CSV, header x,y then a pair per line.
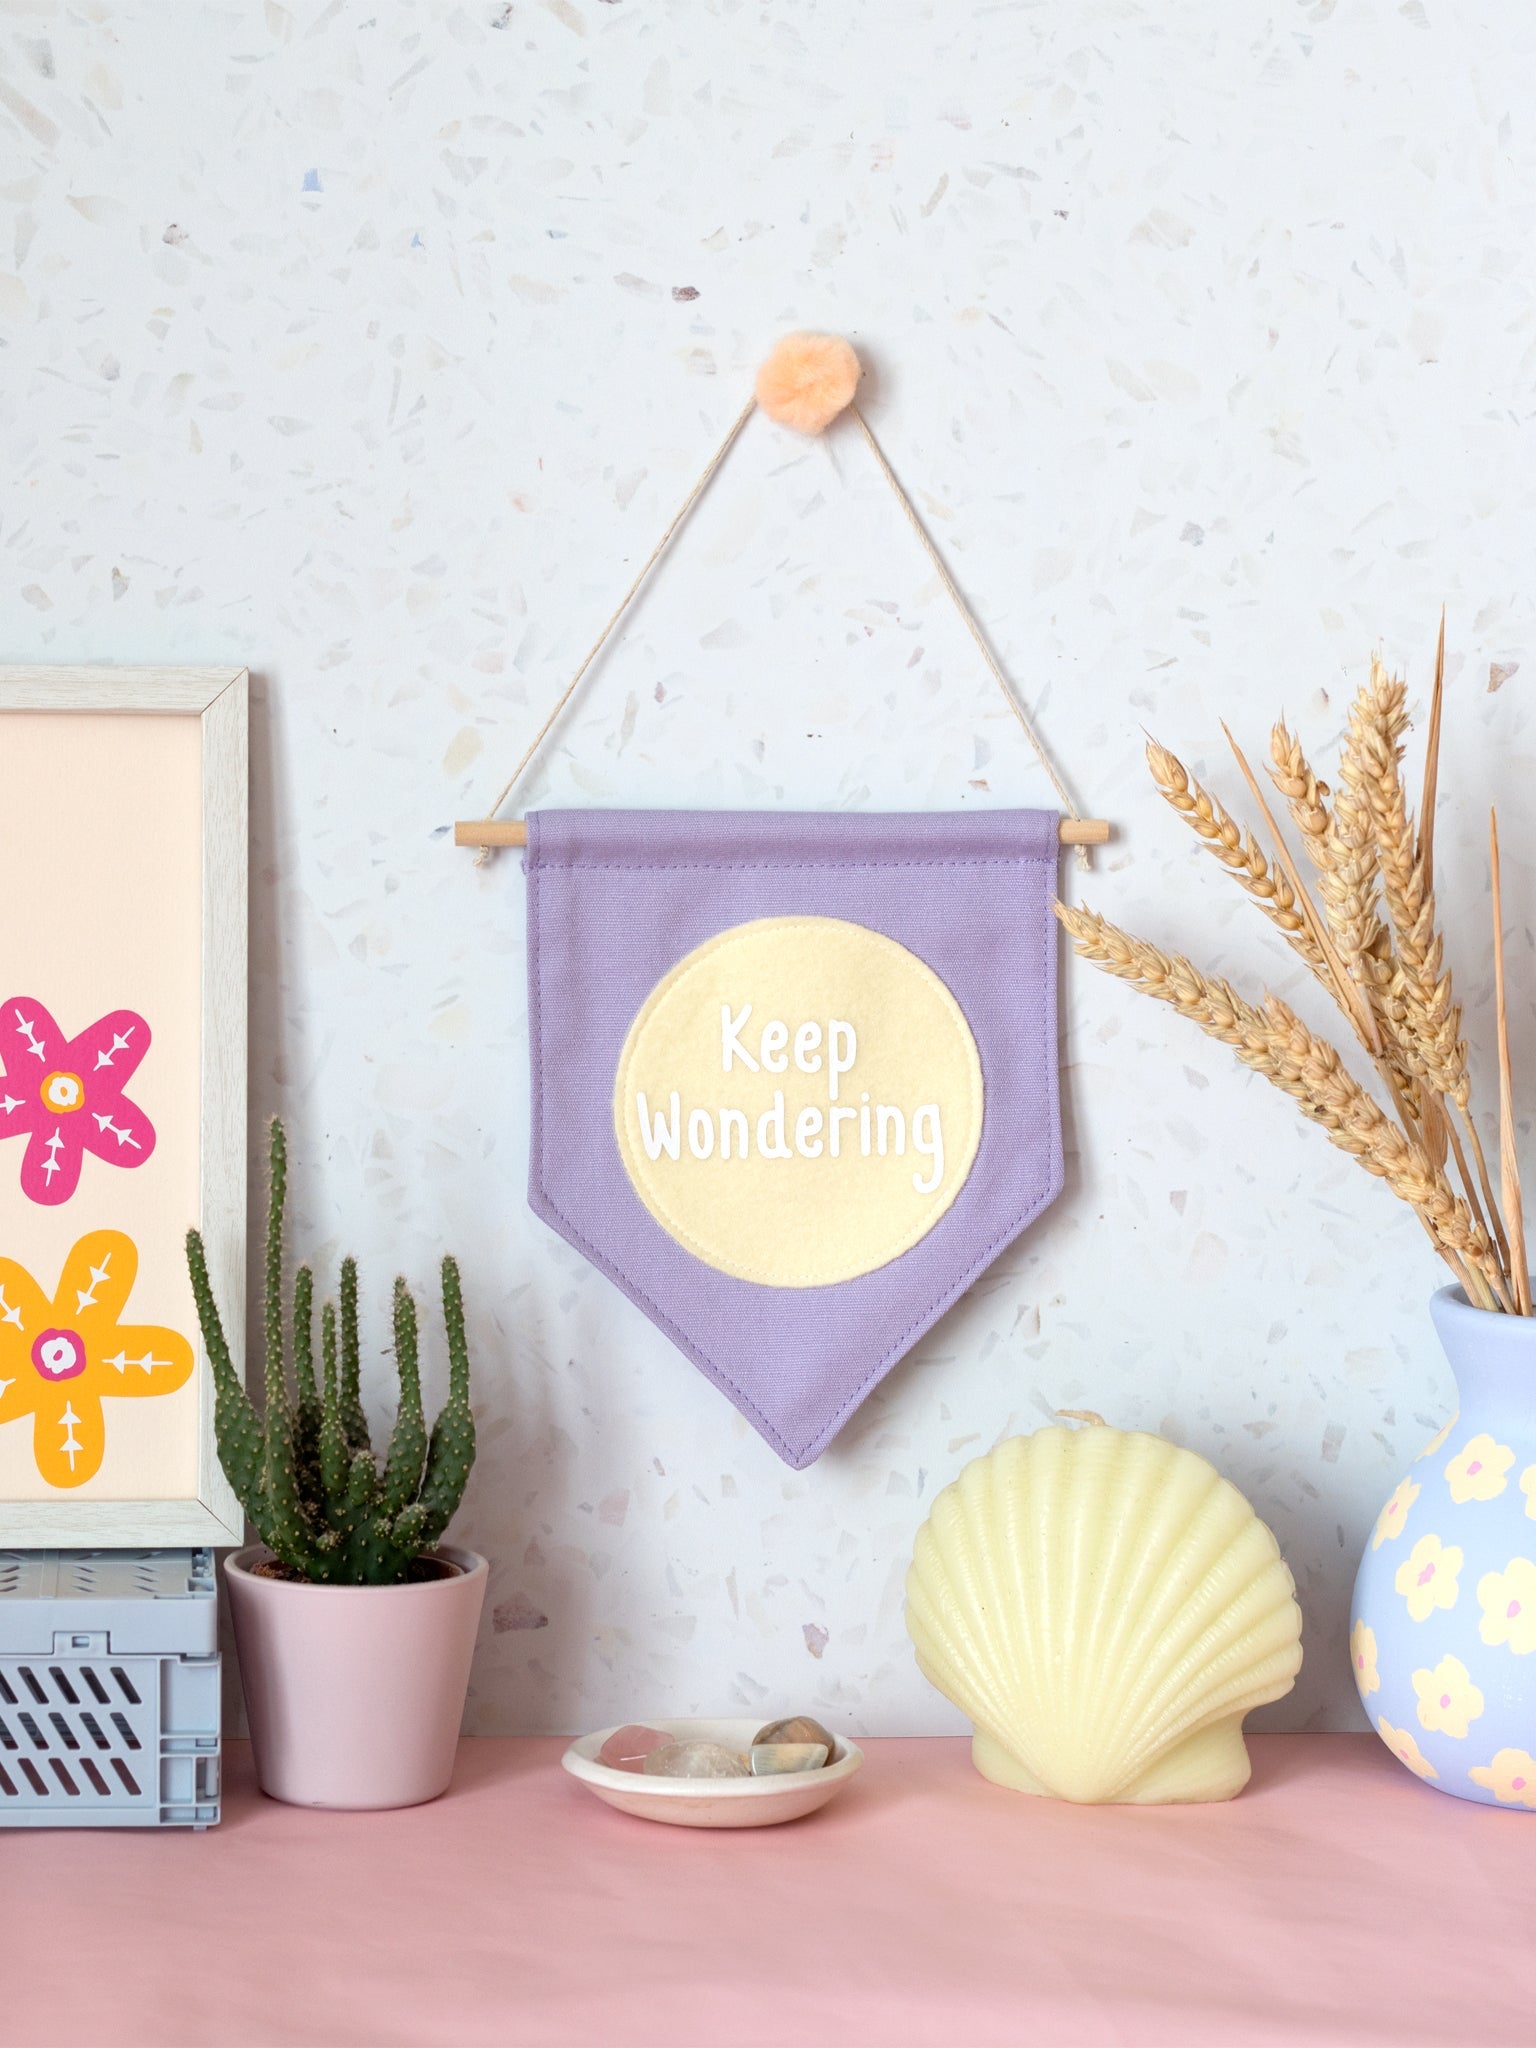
x,y
66,1094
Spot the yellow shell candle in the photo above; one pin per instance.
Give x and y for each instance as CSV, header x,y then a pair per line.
x,y
1104,1608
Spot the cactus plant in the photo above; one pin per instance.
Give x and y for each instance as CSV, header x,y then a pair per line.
x,y
304,1469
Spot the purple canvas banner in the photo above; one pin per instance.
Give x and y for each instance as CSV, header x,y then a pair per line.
x,y
941,926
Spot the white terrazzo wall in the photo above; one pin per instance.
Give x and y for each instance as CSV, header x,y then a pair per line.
x,y
373,345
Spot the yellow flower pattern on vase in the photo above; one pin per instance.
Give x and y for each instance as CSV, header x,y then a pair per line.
x,y
1448,1589
1390,1521
1405,1749
1437,1440
1477,1472
1511,1777
1427,1577
59,1359
1448,1700
1508,1601
1362,1654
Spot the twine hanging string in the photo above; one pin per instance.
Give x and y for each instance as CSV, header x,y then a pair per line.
x,y
941,568
807,381
619,610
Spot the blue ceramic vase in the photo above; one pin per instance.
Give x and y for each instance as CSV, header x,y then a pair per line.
x,y
1443,1627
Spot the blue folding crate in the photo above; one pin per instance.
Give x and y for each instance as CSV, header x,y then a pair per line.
x,y
109,1689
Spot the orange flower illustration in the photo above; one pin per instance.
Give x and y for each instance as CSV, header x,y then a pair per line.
x,y
59,1359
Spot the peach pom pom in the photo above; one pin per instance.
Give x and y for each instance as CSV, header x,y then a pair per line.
x,y
807,381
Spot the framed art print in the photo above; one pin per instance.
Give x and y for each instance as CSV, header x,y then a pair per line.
x,y
123,850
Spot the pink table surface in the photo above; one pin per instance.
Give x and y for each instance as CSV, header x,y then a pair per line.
x,y
1336,1901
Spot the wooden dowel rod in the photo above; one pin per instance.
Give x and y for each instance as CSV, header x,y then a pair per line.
x,y
514,832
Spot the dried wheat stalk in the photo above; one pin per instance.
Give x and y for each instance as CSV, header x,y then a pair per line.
x,y
1274,1042
1413,997
1342,986
1348,879
1432,760
1460,1093
1237,850
1347,886
1422,1014
1306,797
1509,1168
1373,942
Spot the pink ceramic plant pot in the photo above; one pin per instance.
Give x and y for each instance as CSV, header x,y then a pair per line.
x,y
354,1693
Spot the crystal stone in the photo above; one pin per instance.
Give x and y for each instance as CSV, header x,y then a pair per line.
x,y
627,1748
769,1759
695,1760
799,1728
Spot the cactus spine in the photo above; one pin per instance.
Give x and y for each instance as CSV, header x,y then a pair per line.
x,y
304,1469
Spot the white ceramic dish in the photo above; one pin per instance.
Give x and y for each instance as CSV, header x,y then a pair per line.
x,y
711,1802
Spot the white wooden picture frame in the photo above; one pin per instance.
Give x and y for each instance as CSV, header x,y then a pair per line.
x,y
200,1506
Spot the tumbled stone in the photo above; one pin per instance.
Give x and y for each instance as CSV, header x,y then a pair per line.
x,y
695,1760
627,1748
798,1728
768,1759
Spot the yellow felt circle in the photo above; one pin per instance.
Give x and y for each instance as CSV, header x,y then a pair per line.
x,y
798,1101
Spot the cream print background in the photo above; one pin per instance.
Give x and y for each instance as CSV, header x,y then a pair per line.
x,y
101,909
374,348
